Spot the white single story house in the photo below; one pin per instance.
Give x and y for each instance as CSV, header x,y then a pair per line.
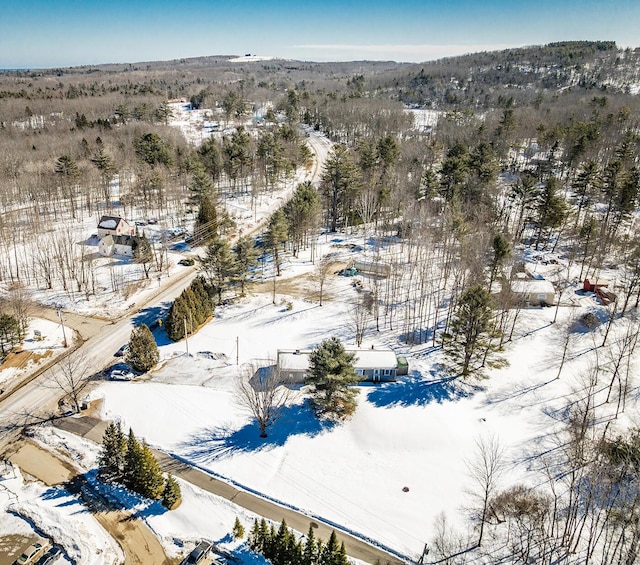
x,y
375,365
534,292
114,225
116,245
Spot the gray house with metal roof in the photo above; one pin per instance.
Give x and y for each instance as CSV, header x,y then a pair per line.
x,y
373,365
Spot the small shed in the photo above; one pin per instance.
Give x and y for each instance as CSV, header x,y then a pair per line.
x,y
594,284
601,289
534,292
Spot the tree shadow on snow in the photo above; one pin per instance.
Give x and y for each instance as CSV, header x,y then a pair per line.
x,y
212,444
418,390
152,316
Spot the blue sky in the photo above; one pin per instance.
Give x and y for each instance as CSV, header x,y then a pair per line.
x,y
52,33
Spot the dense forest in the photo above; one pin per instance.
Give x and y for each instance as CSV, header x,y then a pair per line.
x,y
531,150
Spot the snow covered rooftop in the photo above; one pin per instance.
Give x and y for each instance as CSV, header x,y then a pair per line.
x,y
537,286
298,360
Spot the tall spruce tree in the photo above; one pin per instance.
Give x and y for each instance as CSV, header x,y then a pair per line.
x,y
133,462
175,321
339,185
112,454
310,552
143,353
151,480
246,257
276,236
219,266
206,227
171,494
469,343
329,551
332,376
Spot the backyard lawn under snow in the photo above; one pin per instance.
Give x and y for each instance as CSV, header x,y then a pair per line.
x,y
419,433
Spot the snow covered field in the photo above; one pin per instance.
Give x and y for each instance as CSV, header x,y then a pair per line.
x,y
400,462
387,474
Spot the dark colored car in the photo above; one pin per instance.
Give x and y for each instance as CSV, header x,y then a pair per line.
x,y
198,554
52,556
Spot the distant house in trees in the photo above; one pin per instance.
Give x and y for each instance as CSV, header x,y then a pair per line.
x,y
374,268
593,285
373,365
533,292
601,288
114,225
116,245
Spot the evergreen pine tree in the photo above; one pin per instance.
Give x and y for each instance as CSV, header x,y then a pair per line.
x,y
281,543
206,227
263,536
470,340
171,494
238,529
270,542
246,257
143,353
276,235
152,482
254,536
340,557
133,463
174,322
332,374
112,455
329,551
219,266
293,551
205,303
192,302
309,554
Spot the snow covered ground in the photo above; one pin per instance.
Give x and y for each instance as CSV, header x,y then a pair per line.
x,y
386,474
402,460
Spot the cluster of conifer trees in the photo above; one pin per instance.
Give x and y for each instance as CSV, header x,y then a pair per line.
x,y
282,548
11,333
126,461
189,310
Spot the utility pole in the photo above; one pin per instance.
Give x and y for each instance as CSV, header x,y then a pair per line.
x,y
186,336
237,350
64,336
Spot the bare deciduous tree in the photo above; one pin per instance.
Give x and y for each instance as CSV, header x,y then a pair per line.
x,y
261,393
485,471
321,274
72,376
361,317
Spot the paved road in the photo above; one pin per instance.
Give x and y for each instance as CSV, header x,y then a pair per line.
x,y
93,429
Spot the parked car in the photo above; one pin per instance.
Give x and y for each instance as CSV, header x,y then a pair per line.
x,y
54,555
198,554
122,350
186,262
32,553
121,372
